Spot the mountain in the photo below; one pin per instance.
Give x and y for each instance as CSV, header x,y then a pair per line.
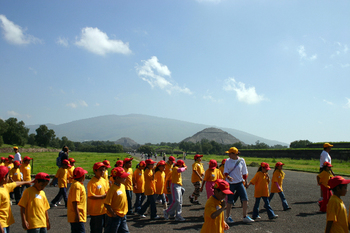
x,y
141,128
126,142
213,134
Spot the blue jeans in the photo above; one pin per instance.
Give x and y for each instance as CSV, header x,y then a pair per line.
x,y
61,192
77,227
129,196
140,197
283,199
240,190
7,230
37,230
116,225
97,223
151,201
269,210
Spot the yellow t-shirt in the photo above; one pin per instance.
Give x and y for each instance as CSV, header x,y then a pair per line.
x,y
261,184
62,176
26,171
167,179
210,225
212,175
149,182
6,217
278,177
9,166
116,198
139,180
128,180
176,176
70,174
96,186
105,176
15,174
324,178
168,168
36,205
221,169
196,166
159,179
336,212
77,193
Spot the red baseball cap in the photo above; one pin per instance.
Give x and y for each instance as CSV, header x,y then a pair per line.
x,y
172,158
98,165
65,161
223,186
142,164
180,162
265,165
327,164
3,171
213,164
127,160
223,161
197,156
107,163
71,160
119,163
27,158
42,176
79,172
279,164
6,159
150,161
119,172
11,156
17,163
161,163
337,180
2,158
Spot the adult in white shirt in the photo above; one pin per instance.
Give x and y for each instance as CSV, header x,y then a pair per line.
x,y
17,154
236,172
325,157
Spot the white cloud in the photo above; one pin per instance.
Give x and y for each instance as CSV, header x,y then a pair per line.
x,y
79,103
212,99
346,49
96,41
345,65
347,105
72,105
33,70
328,102
62,41
13,113
304,56
156,74
246,95
14,34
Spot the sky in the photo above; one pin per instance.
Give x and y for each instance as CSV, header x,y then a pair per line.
x,y
276,69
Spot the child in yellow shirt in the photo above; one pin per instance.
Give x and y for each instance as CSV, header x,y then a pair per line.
x,y
76,206
159,179
139,185
211,175
34,205
196,179
276,185
222,167
62,176
127,163
322,180
2,161
116,203
15,175
214,209
337,220
9,162
261,181
26,171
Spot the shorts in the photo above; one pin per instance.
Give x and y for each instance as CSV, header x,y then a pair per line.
x,y
197,187
241,191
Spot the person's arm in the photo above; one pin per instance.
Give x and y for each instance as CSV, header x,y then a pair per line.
x,y
199,176
19,183
318,180
181,169
1,229
76,211
134,181
25,224
218,212
202,186
279,188
95,197
110,210
48,226
328,226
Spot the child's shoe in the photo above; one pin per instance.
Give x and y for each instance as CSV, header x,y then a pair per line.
x,y
191,199
247,219
180,218
165,214
229,220
274,217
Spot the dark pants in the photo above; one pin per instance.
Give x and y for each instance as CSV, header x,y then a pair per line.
x,y
67,190
61,192
129,196
116,225
269,210
283,199
97,223
37,230
140,197
77,227
150,202
18,194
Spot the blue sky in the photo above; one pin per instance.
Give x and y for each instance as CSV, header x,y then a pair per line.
x,y
276,69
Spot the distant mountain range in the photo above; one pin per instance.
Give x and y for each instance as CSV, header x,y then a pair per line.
x,y
140,128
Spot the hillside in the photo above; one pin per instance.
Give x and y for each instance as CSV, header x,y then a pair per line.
x,y
213,134
140,128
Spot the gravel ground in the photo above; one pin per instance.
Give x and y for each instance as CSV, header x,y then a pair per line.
x,y
300,190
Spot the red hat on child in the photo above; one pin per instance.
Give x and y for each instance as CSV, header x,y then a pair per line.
x,y
42,176
213,164
161,163
66,162
17,163
327,164
127,160
98,165
27,158
3,171
172,158
197,156
223,161
337,180
11,156
180,162
265,165
107,163
223,186
119,172
279,164
79,172
119,163
150,161
142,164
71,160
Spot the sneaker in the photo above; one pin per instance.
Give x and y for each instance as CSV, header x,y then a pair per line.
x,y
247,219
141,215
191,199
229,220
156,217
196,202
274,217
59,203
180,218
287,208
257,217
320,199
53,205
165,214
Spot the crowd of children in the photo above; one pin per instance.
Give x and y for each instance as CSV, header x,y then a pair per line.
x,y
108,200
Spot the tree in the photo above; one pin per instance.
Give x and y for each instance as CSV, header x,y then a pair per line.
x,y
299,144
31,139
16,133
44,136
146,149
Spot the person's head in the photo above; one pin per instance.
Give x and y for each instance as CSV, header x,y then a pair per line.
x,y
119,175
66,164
16,164
171,159
198,157
150,163
279,166
15,149
79,174
212,164
142,165
127,162
119,163
327,147
2,159
71,161
41,180
326,166
4,172
107,163
11,158
221,189
233,152
338,185
223,162
99,169
180,163
264,167
161,165
65,149
26,160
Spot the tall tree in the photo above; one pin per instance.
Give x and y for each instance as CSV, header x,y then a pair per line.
x,y
44,136
16,133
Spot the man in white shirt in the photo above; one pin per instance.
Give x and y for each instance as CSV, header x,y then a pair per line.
x,y
236,172
325,157
17,154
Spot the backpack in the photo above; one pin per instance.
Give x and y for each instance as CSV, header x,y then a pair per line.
x,y
59,159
